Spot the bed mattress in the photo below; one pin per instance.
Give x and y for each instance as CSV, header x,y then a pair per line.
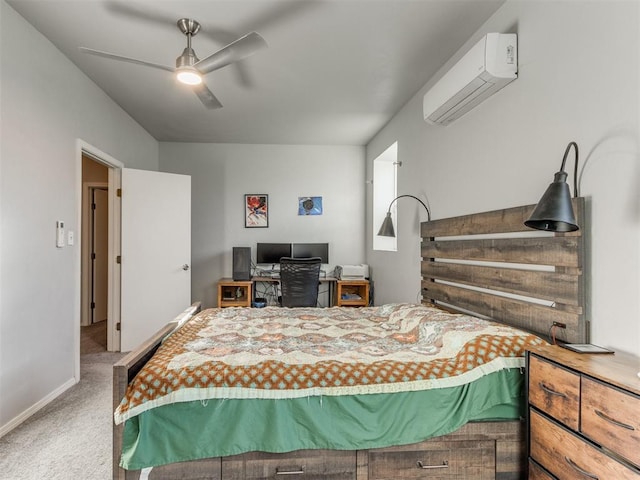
x,y
236,380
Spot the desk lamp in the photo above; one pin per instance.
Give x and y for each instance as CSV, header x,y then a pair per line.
x,y
387,230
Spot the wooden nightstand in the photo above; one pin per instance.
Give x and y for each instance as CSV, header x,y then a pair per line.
x,y
234,293
584,415
352,293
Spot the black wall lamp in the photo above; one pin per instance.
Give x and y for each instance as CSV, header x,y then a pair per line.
x,y
554,211
387,230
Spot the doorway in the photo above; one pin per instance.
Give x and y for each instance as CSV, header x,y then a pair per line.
x,y
94,248
97,174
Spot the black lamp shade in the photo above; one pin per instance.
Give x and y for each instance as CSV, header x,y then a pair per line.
x,y
554,212
387,230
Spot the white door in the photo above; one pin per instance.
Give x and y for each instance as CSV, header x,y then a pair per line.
x,y
156,252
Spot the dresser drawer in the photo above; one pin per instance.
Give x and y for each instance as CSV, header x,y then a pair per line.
x,y
206,469
567,456
554,390
611,418
536,472
460,460
307,464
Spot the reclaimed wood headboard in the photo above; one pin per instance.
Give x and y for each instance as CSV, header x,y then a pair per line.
x,y
492,265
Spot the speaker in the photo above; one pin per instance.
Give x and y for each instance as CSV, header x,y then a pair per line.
x,y
242,263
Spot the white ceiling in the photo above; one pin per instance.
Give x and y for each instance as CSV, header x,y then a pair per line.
x,y
335,72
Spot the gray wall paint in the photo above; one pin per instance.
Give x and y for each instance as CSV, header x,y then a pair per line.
x,y
578,80
223,173
46,105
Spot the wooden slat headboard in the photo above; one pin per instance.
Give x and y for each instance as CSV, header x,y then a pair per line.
x,y
492,265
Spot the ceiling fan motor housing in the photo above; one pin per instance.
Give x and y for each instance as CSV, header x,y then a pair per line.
x,y
189,27
187,59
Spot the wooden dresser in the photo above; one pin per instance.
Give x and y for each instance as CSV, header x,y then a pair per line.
x,y
584,415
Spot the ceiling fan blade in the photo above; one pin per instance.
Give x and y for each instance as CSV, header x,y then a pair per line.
x,y
234,52
148,14
278,14
113,56
205,95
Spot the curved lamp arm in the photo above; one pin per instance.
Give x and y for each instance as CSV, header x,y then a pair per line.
x,y
575,170
387,230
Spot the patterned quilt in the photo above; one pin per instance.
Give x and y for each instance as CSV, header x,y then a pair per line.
x,y
277,353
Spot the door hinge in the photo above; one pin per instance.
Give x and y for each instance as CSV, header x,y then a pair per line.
x,y
93,206
118,259
93,256
118,326
93,305
119,192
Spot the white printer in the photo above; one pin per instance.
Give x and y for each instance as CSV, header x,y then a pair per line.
x,y
352,272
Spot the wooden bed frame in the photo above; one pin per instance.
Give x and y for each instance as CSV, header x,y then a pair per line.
x,y
493,285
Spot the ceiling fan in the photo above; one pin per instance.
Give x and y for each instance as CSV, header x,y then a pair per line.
x,y
189,68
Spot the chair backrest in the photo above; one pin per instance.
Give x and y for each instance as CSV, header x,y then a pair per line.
x,y
299,280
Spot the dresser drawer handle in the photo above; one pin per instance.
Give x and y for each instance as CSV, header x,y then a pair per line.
x,y
551,391
579,470
300,471
445,464
607,418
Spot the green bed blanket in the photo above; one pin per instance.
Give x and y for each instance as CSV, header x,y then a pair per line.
x,y
220,427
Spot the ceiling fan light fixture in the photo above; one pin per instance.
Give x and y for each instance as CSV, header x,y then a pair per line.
x,y
189,76
188,70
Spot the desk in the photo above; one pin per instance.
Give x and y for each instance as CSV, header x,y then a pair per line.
x,y
342,293
329,281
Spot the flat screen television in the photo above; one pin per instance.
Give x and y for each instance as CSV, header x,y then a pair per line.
x,y
307,250
271,253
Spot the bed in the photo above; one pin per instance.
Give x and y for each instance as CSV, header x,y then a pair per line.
x,y
369,393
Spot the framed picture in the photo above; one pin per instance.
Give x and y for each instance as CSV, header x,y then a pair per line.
x,y
309,205
256,211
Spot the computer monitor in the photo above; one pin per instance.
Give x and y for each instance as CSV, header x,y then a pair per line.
x,y
307,250
271,253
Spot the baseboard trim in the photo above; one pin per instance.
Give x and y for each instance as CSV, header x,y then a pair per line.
x,y
35,408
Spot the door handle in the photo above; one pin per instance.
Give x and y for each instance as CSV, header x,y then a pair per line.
x,y
185,267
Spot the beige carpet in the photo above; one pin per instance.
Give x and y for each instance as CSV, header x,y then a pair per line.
x,y
70,439
93,338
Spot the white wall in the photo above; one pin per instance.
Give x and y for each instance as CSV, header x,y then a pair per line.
x,y
223,173
578,80
46,105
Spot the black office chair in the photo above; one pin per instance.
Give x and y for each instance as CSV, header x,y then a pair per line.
x,y
299,281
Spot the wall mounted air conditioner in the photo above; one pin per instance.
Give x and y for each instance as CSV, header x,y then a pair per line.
x,y
491,64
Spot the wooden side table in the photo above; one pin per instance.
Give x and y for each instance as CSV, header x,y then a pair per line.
x,y
352,293
234,293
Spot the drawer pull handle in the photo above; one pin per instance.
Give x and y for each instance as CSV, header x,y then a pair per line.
x,y
445,464
607,418
551,391
300,471
579,470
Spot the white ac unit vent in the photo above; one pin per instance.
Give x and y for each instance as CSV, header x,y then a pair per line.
x,y
491,64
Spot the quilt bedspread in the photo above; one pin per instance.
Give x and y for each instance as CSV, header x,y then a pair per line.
x,y
292,353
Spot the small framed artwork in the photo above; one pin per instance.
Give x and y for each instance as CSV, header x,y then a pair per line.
x,y
256,211
309,205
